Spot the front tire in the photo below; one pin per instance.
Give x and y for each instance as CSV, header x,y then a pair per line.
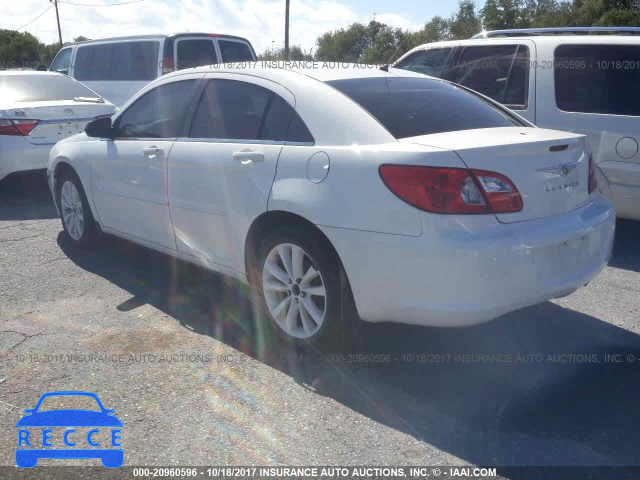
x,y
303,290
75,213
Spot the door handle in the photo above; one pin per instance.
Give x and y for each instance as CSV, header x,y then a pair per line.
x,y
151,151
248,156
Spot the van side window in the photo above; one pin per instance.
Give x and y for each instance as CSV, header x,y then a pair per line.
x,y
159,113
195,53
500,72
427,62
598,79
235,51
117,61
62,61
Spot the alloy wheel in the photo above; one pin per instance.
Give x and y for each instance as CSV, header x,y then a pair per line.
x,y
72,211
294,291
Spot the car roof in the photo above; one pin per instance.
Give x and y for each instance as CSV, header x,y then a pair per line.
x,y
159,36
321,71
554,39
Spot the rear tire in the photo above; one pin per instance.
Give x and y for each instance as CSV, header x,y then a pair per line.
x,y
75,213
303,291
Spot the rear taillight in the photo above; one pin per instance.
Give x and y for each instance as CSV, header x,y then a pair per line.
x,y
593,178
17,127
452,190
167,65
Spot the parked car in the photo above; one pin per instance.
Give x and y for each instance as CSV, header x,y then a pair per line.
x,y
564,78
36,110
431,205
117,68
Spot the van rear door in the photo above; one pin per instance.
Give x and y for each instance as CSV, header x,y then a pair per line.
x,y
190,52
235,50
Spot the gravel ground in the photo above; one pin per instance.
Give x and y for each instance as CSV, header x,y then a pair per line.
x,y
181,357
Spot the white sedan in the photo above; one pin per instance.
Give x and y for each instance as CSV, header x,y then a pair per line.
x,y
419,201
37,109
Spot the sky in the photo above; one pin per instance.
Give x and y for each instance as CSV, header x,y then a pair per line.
x,y
261,21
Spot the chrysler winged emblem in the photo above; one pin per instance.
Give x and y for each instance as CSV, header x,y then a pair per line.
x,y
68,112
563,169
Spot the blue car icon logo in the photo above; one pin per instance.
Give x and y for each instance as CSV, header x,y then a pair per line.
x,y
33,444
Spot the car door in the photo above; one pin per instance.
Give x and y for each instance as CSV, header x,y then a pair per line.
x,y
129,174
221,175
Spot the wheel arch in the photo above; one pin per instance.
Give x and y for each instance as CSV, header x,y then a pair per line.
x,y
272,220
65,164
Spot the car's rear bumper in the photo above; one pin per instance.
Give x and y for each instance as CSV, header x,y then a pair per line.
x,y
465,270
18,155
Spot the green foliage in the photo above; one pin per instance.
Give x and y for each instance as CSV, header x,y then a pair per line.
x,y
295,54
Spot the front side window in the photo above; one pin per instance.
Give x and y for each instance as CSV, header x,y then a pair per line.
x,y
410,107
62,61
428,62
117,61
235,51
598,79
159,113
500,72
195,53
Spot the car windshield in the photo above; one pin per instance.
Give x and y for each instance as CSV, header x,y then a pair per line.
x,y
409,107
41,87
69,402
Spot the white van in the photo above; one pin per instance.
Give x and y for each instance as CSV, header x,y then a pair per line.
x,y
117,68
585,80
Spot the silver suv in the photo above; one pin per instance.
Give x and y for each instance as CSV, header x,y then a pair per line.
x,y
584,80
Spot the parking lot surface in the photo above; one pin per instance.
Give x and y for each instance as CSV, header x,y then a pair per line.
x,y
180,355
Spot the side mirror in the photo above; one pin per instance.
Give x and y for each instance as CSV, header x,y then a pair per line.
x,y
41,68
100,128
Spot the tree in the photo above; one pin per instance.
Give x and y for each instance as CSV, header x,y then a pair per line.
x,y
19,50
295,54
465,23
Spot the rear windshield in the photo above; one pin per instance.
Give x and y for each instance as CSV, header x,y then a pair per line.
x,y
409,107
42,87
235,51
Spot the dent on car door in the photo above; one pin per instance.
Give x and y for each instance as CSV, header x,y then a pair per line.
x,y
221,175
130,172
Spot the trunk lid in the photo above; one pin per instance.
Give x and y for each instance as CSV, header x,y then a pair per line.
x,y
549,168
57,119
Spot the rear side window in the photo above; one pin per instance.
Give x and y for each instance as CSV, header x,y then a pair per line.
x,y
598,79
428,62
159,113
409,107
62,61
500,72
282,123
235,51
195,53
41,87
117,61
230,110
